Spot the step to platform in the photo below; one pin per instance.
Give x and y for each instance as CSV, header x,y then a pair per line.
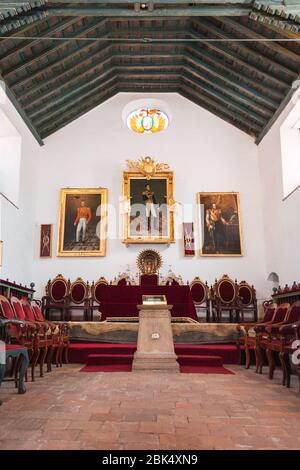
x,y
183,360
80,352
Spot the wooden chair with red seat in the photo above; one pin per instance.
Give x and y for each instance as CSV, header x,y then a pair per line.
x,y
22,336
273,343
290,348
247,341
247,295
50,328
225,299
62,337
43,335
200,295
263,334
80,298
57,297
15,355
97,295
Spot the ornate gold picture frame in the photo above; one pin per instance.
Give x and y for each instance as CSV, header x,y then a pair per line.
x,y
148,196
82,222
220,224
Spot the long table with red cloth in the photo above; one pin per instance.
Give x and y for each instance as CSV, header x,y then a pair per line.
x,y
122,301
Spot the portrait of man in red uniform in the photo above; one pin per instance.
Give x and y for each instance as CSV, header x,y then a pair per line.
x,y
82,222
83,217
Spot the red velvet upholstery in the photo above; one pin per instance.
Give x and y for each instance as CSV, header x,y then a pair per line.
x,y
18,310
149,280
38,314
58,290
279,315
198,293
294,315
98,293
7,311
122,282
28,312
119,301
226,291
246,295
78,292
269,313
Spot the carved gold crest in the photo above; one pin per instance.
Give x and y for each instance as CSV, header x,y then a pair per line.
x,y
147,166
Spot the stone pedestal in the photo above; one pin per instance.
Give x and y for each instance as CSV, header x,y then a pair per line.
x,y
155,346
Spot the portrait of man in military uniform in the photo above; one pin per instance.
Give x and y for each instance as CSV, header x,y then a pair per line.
x,y
82,224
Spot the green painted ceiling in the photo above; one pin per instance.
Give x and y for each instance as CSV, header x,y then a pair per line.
x,y
238,59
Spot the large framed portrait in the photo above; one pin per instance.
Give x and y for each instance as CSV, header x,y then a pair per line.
x,y
220,224
82,222
149,217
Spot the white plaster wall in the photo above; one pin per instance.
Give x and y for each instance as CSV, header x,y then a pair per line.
x,y
17,223
281,218
205,153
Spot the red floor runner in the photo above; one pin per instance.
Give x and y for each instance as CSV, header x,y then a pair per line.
x,y
183,369
79,352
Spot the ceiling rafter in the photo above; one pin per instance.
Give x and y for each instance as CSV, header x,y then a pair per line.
x,y
54,78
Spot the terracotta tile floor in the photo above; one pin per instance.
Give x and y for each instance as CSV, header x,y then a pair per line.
x,y
72,410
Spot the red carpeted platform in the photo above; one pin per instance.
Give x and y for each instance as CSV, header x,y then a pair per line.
x,y
112,357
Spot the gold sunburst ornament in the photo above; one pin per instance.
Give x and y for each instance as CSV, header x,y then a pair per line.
x,y
149,262
147,121
147,166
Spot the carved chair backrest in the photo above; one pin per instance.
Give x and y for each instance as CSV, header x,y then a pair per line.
x,y
18,308
6,310
293,314
281,313
79,291
199,291
58,289
29,311
247,294
225,290
269,313
97,289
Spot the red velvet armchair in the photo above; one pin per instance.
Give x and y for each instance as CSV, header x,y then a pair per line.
x,y
149,280
290,351
247,296
79,299
247,341
273,341
96,296
20,332
57,297
200,296
225,299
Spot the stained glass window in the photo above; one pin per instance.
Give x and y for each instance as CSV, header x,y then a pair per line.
x,y
147,121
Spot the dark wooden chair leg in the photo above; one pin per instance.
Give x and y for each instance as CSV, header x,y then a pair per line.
x,y
22,371
42,360
270,357
2,373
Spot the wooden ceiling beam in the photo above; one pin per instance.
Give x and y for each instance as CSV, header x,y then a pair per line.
x,y
234,56
241,109
229,89
31,43
77,112
218,110
73,90
158,12
248,32
268,96
90,88
258,57
90,68
54,48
